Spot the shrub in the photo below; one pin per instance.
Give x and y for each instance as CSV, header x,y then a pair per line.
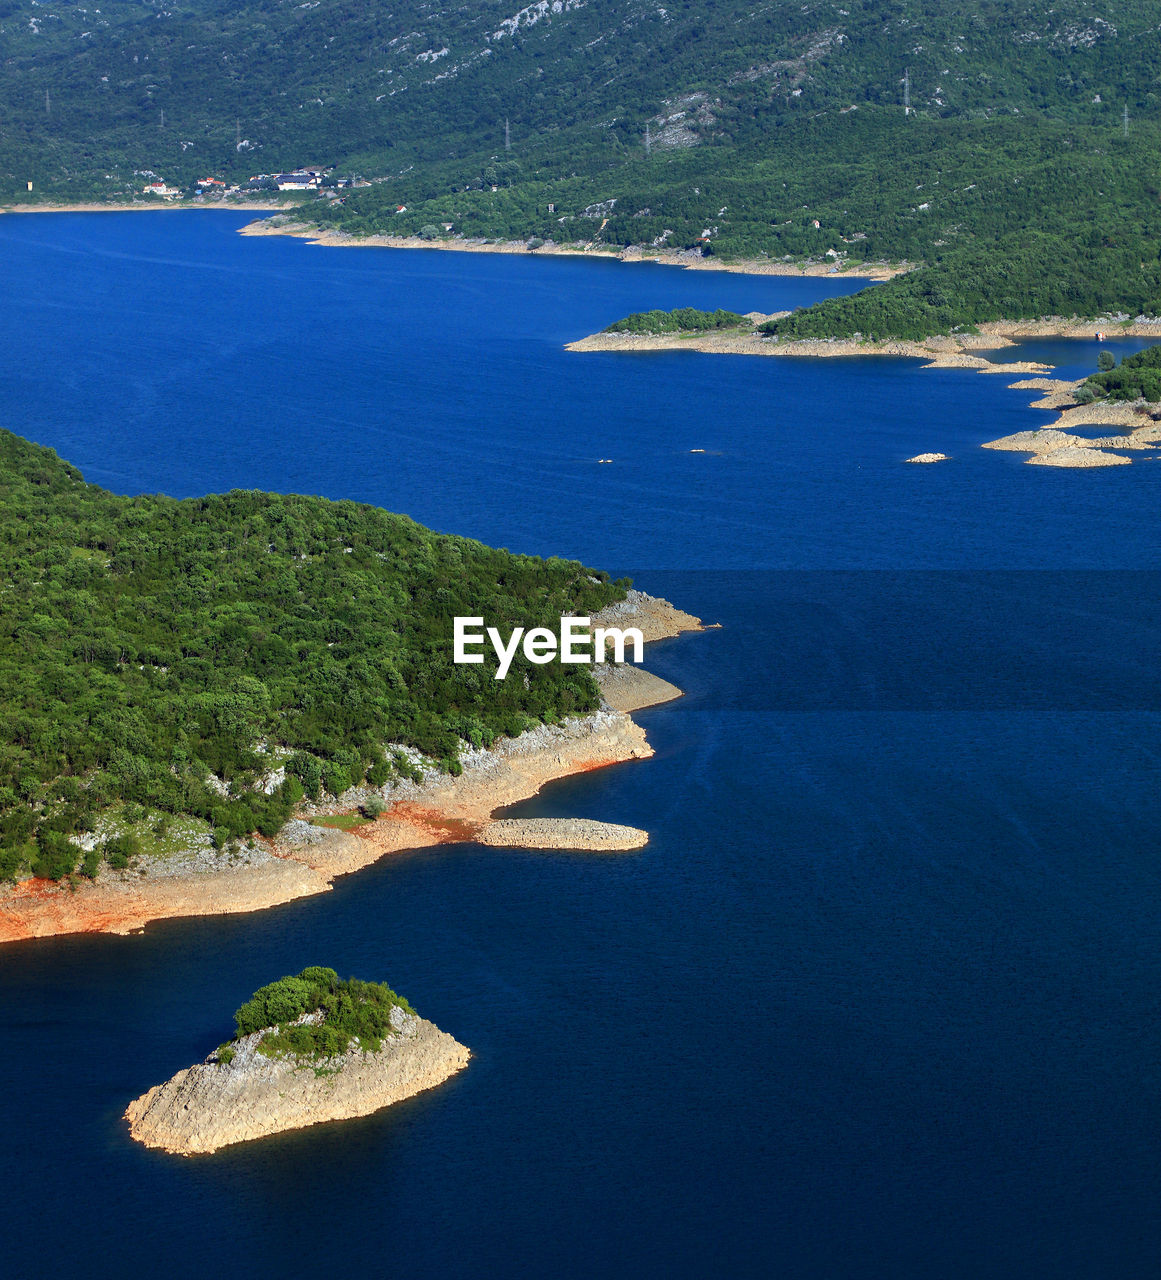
x,y
683,320
127,845
373,808
352,1010
336,779
56,856
281,1001
1106,361
270,822
11,860
291,791
308,769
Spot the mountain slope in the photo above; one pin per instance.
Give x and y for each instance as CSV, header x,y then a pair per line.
x,y
1008,146
343,82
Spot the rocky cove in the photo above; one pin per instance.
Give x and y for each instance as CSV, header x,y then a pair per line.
x,y
1051,446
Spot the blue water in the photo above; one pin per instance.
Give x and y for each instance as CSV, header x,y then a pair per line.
x,y
879,999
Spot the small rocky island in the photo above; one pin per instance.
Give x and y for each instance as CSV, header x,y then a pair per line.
x,y
308,1048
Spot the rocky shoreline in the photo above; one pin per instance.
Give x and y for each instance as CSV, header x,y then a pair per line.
x,y
958,351
1050,446
220,1102
954,351
305,859
688,258
1054,445
145,206
691,259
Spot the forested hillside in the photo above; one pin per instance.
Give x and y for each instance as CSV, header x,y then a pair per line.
x,y
1009,147
146,643
195,86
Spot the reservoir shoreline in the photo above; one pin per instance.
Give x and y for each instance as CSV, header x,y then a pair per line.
x,y
691,260
305,859
955,351
98,206
1052,445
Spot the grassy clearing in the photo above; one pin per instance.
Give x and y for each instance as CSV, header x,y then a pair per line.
x,y
342,821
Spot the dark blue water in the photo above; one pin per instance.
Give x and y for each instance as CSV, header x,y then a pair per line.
x,y
879,999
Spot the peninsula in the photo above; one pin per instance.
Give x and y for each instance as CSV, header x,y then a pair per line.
x,y
187,875
298,225
182,775
757,334
1076,404
308,1049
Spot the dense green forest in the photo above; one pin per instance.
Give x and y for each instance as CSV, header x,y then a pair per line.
x,y
1137,377
352,1011
1009,146
146,643
683,320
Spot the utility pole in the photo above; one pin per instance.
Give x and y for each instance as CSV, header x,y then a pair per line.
x,y
648,140
507,135
47,104
907,92
1125,119
237,135
162,125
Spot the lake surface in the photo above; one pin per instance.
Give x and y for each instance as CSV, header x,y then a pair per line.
x,y
879,999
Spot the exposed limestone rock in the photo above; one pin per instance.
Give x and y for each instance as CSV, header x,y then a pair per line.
x,y
562,833
1071,457
657,619
1045,441
1061,449
214,1104
629,688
